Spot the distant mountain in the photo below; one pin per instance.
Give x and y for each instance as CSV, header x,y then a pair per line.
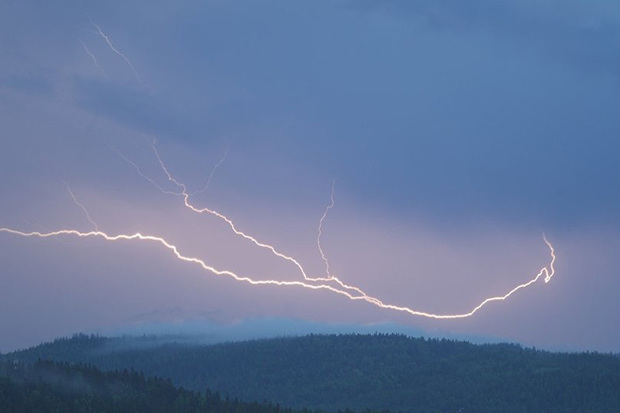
x,y
378,371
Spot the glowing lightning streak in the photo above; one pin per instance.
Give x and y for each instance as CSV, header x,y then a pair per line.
x,y
330,276
171,247
547,272
175,251
115,50
138,236
320,232
139,171
94,59
217,165
81,206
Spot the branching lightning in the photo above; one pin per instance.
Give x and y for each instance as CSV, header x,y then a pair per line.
x,y
547,272
211,175
115,50
174,249
142,174
186,195
320,232
94,59
82,207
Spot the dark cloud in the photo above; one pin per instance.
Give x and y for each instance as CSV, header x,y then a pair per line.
x,y
35,85
444,108
573,31
463,113
129,106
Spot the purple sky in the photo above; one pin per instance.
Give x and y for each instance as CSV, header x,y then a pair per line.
x,y
456,136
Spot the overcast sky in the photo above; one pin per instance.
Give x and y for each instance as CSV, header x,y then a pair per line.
x,y
456,134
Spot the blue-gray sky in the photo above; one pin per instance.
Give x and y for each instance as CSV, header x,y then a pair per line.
x,y
457,133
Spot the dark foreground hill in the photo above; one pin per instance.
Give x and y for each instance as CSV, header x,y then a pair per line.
x,y
365,371
47,386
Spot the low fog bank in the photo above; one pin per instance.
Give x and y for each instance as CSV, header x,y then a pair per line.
x,y
209,332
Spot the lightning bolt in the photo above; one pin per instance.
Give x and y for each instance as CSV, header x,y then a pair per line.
x,y
115,50
548,273
310,282
329,282
94,59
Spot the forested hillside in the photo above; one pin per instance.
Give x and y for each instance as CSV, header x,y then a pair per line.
x,y
365,371
46,386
